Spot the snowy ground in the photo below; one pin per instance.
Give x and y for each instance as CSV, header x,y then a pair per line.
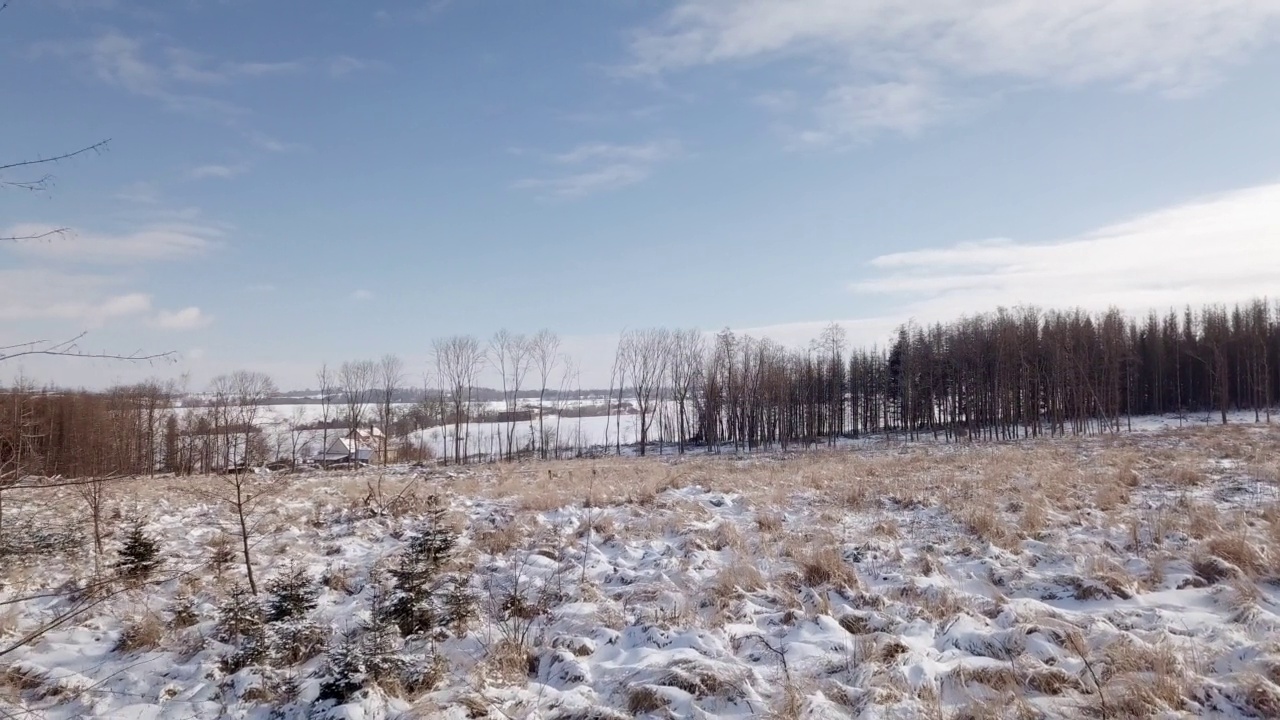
x,y
1127,576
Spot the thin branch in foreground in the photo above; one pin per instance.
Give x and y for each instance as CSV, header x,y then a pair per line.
x,y
96,147
43,182
56,232
68,348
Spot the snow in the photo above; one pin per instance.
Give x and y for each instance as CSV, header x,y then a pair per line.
x,y
685,600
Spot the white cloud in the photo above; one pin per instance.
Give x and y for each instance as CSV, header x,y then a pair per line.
x,y
361,295
188,318
1215,249
856,112
884,57
158,242
225,172
34,294
602,167
177,77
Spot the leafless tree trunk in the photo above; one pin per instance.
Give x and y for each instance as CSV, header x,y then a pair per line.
x,y
458,359
545,349
357,380
509,355
644,355
391,374
326,382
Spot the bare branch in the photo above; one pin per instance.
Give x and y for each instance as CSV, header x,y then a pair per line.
x,y
97,147
58,232
68,348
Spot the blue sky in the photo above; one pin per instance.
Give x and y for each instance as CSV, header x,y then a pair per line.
x,y
281,171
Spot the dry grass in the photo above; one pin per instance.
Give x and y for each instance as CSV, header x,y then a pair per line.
x,y
643,699
769,522
857,528
141,633
1240,550
824,565
739,577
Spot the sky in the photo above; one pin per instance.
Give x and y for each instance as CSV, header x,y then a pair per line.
x,y
290,183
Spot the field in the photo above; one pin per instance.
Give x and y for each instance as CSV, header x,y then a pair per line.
x,y
1126,576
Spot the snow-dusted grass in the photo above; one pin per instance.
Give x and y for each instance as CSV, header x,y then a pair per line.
x,y
1126,576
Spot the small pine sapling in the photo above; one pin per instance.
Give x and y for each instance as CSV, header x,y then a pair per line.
x,y
418,601
292,595
140,555
240,624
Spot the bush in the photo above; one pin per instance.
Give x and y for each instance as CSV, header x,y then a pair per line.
x,y
296,641
142,634
221,554
140,555
183,610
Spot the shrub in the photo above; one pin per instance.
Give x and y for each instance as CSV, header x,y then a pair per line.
x,y
143,634
221,554
296,641
183,611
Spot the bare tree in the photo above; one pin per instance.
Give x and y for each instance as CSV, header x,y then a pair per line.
x,y
458,359
243,395
94,492
390,375
644,355
252,391
688,348
357,380
327,386
544,350
297,421
509,355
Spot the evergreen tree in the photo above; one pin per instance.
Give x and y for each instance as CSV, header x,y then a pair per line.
x,y
140,555
292,595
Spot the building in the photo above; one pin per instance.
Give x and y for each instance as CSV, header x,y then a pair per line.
x,y
357,446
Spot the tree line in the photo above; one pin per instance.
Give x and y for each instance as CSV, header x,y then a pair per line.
x,y
1007,374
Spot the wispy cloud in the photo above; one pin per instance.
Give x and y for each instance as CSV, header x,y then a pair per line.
x,y
854,113
84,299
139,192
188,318
224,172
173,241
1189,253
342,66
598,167
890,67
419,12
181,79
273,144
361,295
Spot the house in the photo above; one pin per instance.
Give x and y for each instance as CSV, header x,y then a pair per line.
x,y
357,446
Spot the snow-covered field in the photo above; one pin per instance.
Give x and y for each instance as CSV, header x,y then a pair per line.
x,y
1125,576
